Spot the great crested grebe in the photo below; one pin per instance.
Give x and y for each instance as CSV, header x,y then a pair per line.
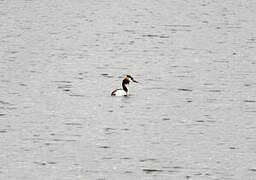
x,y
123,92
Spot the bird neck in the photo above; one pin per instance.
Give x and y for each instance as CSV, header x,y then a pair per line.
x,y
124,87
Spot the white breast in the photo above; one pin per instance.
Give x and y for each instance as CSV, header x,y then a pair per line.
x,y
120,93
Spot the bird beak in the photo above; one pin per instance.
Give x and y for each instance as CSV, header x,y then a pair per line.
x,y
135,81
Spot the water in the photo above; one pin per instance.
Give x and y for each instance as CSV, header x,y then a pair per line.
x,y
192,116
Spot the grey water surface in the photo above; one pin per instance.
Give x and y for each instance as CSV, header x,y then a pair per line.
x,y
192,116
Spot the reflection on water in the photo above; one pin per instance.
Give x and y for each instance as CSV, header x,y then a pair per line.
x,y
192,116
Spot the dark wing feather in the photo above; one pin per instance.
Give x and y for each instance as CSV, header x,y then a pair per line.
x,y
114,92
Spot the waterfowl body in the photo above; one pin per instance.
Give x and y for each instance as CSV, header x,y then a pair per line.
x,y
124,90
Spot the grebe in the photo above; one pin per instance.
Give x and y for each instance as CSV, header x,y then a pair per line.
x,y
123,92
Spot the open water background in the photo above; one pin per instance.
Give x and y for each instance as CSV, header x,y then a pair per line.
x,y
193,115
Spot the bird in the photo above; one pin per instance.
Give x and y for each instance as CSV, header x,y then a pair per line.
x,y
124,91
